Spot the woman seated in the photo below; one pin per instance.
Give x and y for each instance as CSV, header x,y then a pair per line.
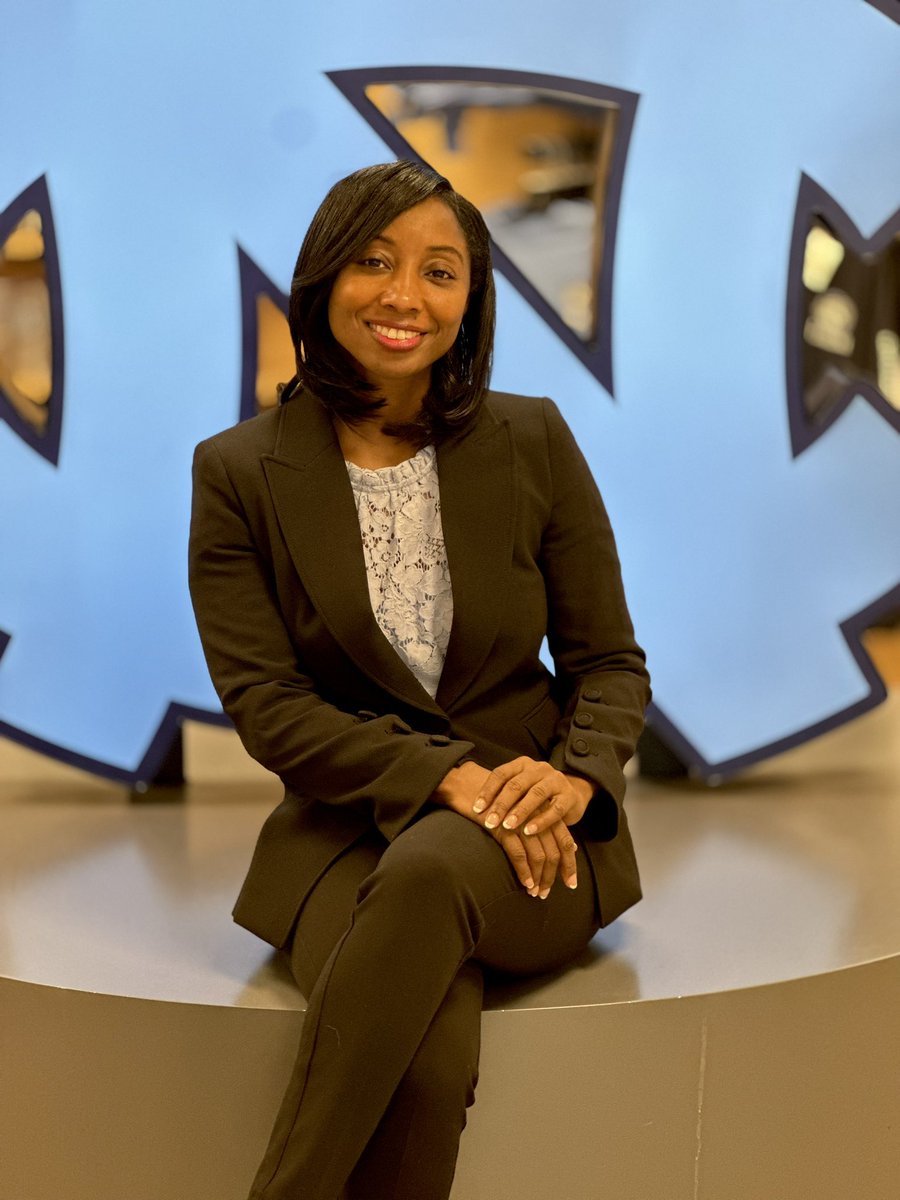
x,y
374,567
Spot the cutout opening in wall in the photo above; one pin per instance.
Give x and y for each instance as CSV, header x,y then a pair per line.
x,y
26,349
850,320
275,355
536,162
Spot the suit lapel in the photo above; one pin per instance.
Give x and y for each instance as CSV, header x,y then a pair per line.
x,y
314,504
478,516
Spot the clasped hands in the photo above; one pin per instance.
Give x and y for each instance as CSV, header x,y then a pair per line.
x,y
527,806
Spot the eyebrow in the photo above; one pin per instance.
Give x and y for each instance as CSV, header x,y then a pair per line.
x,y
431,249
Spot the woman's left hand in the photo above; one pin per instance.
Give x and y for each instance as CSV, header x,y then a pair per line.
x,y
530,796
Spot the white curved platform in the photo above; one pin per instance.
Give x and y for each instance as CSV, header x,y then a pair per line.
x,y
734,1037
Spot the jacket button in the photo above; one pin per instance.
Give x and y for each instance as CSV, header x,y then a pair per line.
x,y
593,694
366,714
580,746
439,739
584,720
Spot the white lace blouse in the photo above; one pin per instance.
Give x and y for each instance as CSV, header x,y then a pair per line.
x,y
399,511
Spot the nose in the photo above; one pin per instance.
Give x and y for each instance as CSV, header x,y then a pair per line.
x,y
402,291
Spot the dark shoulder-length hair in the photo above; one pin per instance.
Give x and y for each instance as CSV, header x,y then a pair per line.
x,y
356,210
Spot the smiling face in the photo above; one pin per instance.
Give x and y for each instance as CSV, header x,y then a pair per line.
x,y
398,306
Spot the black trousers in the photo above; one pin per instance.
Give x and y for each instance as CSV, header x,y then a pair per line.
x,y
388,949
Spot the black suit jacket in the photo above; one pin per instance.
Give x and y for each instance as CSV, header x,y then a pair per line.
x,y
319,696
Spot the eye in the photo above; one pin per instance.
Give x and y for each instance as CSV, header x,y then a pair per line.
x,y
441,273
371,260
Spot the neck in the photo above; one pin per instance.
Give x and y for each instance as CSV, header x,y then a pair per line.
x,y
402,400
366,444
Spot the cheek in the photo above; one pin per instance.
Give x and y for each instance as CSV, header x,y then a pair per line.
x,y
345,295
454,314
335,303
339,313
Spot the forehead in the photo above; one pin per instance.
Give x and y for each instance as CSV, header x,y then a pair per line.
x,y
427,226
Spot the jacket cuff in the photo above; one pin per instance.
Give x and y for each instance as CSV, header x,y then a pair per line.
x,y
429,759
587,752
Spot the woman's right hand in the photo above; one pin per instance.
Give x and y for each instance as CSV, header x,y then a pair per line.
x,y
538,859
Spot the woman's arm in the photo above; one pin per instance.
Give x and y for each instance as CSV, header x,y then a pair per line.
x,y
380,766
599,665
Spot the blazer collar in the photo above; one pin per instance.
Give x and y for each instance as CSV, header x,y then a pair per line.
x,y
314,504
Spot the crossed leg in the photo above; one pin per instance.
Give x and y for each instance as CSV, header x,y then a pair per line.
x,y
387,1062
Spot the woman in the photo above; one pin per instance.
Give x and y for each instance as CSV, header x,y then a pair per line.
x,y
374,566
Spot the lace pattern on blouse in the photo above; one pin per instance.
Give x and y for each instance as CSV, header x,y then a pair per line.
x,y
399,511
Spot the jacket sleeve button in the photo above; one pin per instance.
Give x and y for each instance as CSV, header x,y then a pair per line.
x,y
366,714
593,694
580,746
439,739
584,720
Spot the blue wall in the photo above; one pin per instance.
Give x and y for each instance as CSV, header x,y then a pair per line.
x,y
169,134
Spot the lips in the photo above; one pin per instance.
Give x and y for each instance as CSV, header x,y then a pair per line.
x,y
395,337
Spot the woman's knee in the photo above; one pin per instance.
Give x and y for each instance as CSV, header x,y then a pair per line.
x,y
428,858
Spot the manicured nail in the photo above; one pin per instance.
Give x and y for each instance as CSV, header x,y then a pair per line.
x,y
480,804
534,893
492,821
530,829
572,883
545,893
529,885
510,822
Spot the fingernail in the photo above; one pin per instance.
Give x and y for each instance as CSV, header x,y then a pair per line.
x,y
480,805
545,893
534,893
530,829
572,883
492,821
529,885
510,822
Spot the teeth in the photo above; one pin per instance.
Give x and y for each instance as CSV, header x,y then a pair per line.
x,y
396,335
